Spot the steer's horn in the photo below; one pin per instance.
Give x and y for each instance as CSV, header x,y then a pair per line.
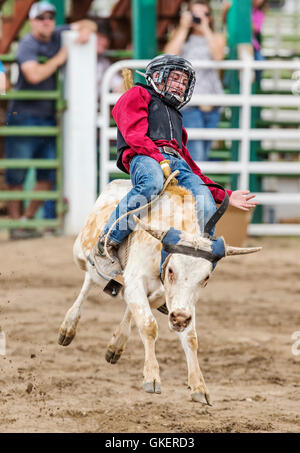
x,y
240,250
157,234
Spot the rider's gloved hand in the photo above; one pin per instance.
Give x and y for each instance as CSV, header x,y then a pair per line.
x,y
166,169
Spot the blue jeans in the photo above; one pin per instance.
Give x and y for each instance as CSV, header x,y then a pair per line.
x,y
258,56
29,148
193,117
147,180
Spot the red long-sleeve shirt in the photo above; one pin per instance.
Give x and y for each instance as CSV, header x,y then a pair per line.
x,y
131,116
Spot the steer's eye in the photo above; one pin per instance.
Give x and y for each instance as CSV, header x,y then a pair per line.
x,y
171,274
205,281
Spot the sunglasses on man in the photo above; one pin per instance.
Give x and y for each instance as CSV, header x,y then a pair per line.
x,y
49,16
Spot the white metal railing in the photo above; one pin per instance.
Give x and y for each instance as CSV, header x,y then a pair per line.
x,y
245,100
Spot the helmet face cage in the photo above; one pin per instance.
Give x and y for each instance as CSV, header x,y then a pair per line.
x,y
163,67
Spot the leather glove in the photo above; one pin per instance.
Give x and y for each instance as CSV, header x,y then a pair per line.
x,y
166,169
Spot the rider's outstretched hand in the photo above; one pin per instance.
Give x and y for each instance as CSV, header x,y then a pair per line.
x,y
242,199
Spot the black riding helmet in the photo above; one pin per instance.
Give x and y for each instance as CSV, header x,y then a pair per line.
x,y
164,64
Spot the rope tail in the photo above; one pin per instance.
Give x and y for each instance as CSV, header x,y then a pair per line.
x,y
127,79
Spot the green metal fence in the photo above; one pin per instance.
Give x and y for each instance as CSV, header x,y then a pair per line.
x,y
57,164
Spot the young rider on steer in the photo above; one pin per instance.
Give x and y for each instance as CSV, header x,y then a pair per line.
x,y
151,144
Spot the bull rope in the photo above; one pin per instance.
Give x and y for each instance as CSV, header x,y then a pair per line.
x,y
167,182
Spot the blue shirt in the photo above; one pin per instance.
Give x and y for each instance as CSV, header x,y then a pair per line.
x,y
2,68
30,49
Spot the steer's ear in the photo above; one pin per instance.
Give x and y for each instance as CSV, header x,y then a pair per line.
x,y
157,234
230,251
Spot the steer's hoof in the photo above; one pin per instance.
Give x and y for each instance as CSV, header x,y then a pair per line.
x,y
112,357
65,340
152,387
200,397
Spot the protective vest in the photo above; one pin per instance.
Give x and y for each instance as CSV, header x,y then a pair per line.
x,y
165,123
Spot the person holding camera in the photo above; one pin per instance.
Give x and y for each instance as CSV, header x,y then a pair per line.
x,y
195,39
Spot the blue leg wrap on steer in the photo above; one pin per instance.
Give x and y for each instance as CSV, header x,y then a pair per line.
x,y
173,236
218,249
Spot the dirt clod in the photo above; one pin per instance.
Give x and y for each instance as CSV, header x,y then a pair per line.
x,y
29,387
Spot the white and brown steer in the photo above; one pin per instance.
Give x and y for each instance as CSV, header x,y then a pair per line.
x,y
180,287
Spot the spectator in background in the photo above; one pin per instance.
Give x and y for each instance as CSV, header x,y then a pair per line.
x,y
44,41
2,79
195,39
103,63
257,19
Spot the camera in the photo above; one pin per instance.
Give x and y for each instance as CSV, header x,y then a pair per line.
x,y
197,20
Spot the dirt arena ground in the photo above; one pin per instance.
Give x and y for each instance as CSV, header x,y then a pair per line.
x,y
249,312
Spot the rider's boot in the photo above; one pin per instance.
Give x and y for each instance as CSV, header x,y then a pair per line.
x,y
106,267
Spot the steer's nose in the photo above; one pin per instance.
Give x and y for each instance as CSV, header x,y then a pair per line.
x,y
179,320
